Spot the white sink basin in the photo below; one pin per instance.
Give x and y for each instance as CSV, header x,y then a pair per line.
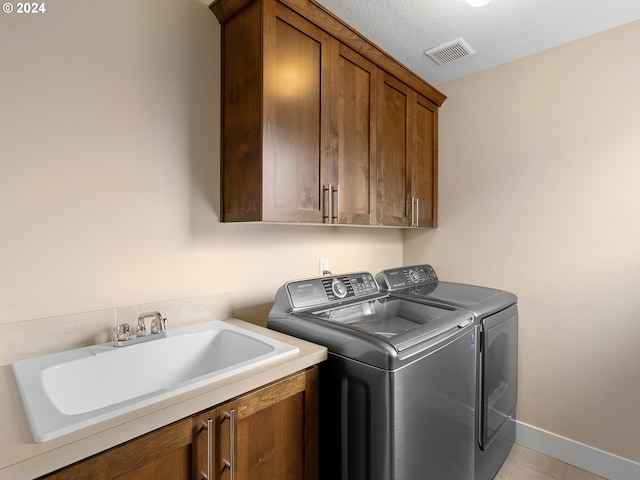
x,y
67,391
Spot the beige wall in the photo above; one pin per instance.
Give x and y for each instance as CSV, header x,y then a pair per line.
x,y
539,194
109,156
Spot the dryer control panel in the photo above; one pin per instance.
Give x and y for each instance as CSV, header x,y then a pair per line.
x,y
405,277
331,289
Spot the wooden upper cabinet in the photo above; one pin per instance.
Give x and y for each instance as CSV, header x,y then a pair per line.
x,y
424,154
394,167
318,124
407,156
275,95
353,136
296,102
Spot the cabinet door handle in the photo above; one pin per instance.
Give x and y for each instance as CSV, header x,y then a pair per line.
x,y
413,212
410,212
327,192
208,426
417,212
336,205
230,464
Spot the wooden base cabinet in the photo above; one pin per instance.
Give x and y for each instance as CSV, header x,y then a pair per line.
x,y
164,454
269,433
318,124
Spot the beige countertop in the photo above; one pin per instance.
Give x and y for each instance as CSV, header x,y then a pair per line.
x,y
22,458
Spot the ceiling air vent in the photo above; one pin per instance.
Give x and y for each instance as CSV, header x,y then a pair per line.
x,y
450,51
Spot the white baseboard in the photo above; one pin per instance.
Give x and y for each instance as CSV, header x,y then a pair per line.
x,y
578,454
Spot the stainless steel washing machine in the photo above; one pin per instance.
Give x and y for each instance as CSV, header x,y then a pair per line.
x,y
397,393
496,316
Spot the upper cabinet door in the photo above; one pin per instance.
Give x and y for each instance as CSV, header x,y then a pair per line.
x,y
296,121
393,161
425,163
275,114
352,150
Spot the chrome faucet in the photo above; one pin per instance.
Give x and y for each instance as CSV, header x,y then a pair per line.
x,y
158,324
122,332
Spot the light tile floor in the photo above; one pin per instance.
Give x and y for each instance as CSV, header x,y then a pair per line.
x,y
526,464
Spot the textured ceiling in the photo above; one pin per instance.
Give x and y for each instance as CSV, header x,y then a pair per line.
x,y
499,32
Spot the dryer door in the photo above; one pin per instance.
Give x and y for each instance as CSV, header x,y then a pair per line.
x,y
499,370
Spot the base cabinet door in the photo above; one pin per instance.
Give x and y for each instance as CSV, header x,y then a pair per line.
x,y
262,437
205,465
164,454
270,433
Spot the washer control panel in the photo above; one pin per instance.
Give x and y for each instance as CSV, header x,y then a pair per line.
x,y
327,290
404,277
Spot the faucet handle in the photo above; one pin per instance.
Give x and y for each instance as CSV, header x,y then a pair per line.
x,y
141,329
158,324
123,332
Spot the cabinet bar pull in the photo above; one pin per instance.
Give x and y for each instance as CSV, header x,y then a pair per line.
x,y
413,211
417,211
208,426
327,192
336,217
230,464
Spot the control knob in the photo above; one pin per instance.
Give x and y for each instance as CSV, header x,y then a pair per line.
x,y
339,288
415,275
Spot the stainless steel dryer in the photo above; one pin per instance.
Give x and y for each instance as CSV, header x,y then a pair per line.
x,y
397,393
496,315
